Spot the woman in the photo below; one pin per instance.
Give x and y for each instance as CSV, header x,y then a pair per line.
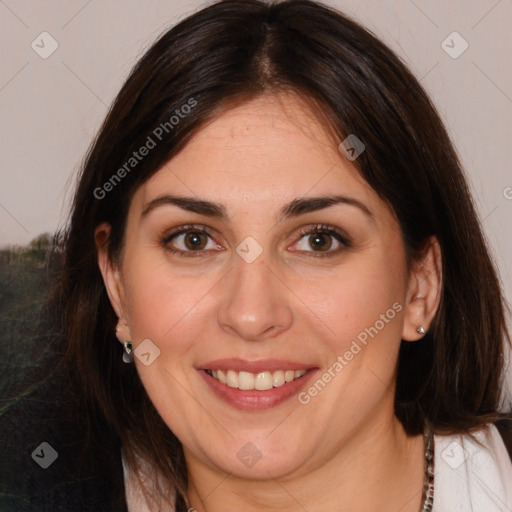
x,y
274,225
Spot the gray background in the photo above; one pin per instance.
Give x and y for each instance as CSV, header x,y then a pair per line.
x,y
51,108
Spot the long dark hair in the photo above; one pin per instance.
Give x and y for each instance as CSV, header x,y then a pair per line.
x,y
222,56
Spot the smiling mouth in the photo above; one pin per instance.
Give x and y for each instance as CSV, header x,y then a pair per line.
x,y
261,381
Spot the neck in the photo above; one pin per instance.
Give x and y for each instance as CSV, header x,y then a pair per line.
x,y
379,468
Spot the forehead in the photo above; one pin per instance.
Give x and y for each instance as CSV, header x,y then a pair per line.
x,y
263,147
285,116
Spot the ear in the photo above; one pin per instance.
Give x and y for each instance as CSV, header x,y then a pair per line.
x,y
424,291
112,278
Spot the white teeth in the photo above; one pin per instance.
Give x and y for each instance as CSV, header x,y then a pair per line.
x,y
263,381
245,380
278,378
260,381
232,379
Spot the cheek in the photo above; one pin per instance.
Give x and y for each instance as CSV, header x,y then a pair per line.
x,y
362,306
354,298
162,305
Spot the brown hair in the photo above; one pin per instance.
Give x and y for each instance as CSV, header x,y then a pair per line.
x,y
228,53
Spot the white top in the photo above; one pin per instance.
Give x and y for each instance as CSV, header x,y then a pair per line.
x,y
467,477
471,478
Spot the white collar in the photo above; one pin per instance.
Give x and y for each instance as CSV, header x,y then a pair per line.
x,y
472,478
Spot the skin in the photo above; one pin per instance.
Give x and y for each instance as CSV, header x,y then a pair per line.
x,y
345,449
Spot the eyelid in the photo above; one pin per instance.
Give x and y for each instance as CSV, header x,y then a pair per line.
x,y
187,228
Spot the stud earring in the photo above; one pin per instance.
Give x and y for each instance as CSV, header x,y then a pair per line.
x,y
420,330
128,352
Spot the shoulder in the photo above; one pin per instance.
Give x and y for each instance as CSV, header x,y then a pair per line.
x,y
472,472
46,463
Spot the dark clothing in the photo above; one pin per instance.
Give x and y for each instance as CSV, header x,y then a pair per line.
x,y
83,478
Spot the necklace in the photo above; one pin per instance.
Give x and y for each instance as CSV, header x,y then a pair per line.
x,y
428,483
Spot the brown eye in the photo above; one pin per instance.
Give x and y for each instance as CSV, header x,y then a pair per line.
x,y
195,240
320,241
189,241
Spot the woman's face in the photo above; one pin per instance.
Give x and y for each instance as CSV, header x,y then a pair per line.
x,y
292,262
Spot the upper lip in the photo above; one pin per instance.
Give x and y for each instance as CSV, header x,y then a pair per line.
x,y
261,365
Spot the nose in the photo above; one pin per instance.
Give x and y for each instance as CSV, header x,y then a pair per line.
x,y
255,302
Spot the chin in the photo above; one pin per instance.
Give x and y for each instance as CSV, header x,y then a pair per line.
x,y
258,460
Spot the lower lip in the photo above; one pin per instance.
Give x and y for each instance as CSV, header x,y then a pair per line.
x,y
253,399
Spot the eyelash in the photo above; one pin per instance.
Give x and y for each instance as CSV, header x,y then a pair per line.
x,y
319,228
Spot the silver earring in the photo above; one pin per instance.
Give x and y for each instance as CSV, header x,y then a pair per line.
x,y
420,330
128,353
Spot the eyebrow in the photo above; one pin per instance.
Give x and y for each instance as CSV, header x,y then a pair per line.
x,y
298,206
